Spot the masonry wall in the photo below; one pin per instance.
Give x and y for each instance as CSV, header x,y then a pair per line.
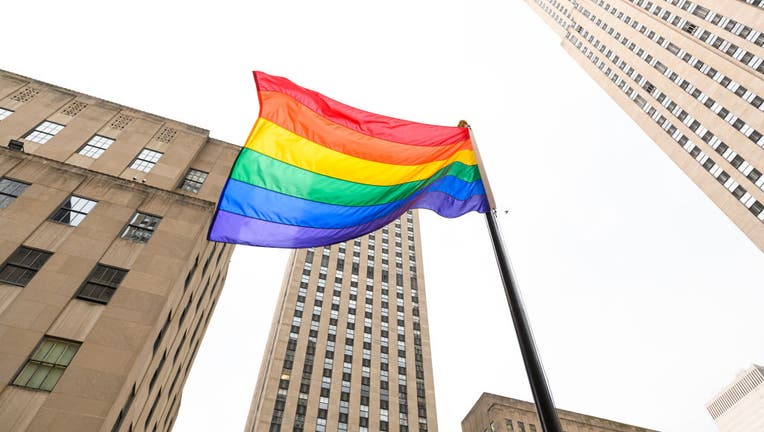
x,y
136,347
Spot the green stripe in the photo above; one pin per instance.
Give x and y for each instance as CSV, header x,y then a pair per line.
x,y
263,171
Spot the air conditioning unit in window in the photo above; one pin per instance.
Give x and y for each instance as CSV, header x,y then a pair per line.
x,y
16,145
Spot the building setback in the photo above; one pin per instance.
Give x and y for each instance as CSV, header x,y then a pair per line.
x,y
740,406
349,347
690,74
107,281
493,413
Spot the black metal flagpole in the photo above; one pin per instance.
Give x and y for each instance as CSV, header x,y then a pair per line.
x,y
545,408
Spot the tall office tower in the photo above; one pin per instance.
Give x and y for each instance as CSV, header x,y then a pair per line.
x,y
740,406
107,281
349,346
690,74
493,413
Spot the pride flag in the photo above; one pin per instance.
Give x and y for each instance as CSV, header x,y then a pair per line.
x,y
315,172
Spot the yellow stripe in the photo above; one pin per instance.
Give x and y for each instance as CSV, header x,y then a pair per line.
x,y
274,141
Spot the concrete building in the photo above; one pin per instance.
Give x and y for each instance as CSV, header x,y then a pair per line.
x,y
740,406
690,74
493,413
349,347
107,281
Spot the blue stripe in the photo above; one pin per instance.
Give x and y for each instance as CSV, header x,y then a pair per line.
x,y
252,201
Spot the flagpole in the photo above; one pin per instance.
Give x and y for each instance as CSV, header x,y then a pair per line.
x,y
542,396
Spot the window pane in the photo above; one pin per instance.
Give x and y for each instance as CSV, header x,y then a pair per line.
x,y
26,374
39,376
4,113
54,353
10,190
16,275
50,381
73,210
46,365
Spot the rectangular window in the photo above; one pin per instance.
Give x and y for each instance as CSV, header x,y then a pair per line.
x,y
10,190
146,160
101,284
73,210
141,227
22,265
193,181
46,365
4,113
96,146
44,132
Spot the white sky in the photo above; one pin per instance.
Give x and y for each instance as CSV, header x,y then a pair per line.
x,y
644,298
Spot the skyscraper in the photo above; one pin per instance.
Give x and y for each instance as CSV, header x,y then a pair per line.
x,y
493,413
349,346
690,74
107,281
740,406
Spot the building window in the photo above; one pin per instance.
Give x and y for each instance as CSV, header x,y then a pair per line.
x,y
141,227
4,113
193,181
10,190
73,210
22,265
44,131
101,284
46,365
146,160
96,146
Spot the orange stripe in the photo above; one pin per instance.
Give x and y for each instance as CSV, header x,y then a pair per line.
x,y
286,112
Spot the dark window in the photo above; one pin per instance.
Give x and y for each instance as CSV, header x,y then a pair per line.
x,y
22,265
73,210
141,227
10,190
158,340
46,365
193,180
101,284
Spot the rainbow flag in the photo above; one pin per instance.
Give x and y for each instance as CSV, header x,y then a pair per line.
x,y
315,172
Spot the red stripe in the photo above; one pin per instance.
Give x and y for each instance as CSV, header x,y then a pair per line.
x,y
374,125
296,117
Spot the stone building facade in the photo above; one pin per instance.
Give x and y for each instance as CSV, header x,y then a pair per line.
x,y
739,407
493,413
691,75
107,281
349,348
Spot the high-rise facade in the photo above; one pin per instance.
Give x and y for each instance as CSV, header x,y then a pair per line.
x,y
107,281
349,348
493,413
690,73
740,406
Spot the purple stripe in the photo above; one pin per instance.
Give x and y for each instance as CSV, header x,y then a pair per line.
x,y
232,228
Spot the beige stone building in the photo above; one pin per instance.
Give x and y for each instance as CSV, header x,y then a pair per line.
x,y
349,348
740,406
107,281
689,72
493,413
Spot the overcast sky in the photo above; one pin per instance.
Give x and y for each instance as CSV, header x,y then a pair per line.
x,y
644,298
